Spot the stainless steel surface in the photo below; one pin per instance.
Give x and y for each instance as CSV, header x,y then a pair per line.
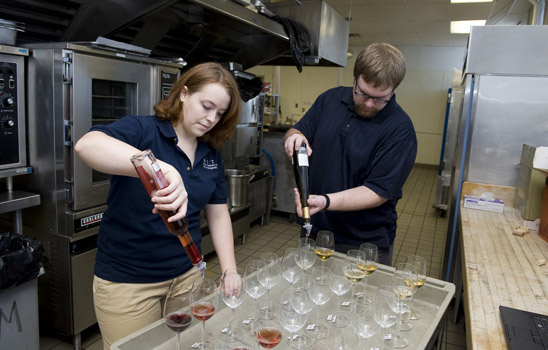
x,y
508,50
284,179
70,88
13,150
196,30
17,200
328,30
447,165
432,300
260,194
504,107
529,186
238,182
509,111
248,140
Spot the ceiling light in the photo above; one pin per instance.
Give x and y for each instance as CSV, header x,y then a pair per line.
x,y
466,1
463,27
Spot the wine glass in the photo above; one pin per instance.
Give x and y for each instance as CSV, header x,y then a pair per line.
x,y
177,314
408,273
204,302
270,274
402,284
420,263
240,334
306,256
325,245
269,329
354,273
300,300
254,288
365,325
339,285
385,316
371,258
292,321
320,293
232,288
290,269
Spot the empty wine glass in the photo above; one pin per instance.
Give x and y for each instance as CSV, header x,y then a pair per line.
x,y
420,263
365,325
371,257
270,274
300,300
339,285
204,302
385,316
292,321
325,245
354,273
240,334
290,269
320,293
253,287
177,314
306,255
232,288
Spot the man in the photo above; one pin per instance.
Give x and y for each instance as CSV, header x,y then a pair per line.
x,y
362,147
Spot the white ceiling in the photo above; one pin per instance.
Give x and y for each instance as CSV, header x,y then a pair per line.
x,y
422,22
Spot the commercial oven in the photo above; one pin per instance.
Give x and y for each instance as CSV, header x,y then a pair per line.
x,y
70,88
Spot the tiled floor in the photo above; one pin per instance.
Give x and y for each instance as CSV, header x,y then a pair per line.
x,y
421,231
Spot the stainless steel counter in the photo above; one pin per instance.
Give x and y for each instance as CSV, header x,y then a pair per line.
x,y
432,301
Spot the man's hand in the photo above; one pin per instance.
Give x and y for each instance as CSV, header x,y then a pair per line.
x,y
293,140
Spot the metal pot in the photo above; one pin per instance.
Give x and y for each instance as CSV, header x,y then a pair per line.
x,y
238,181
8,31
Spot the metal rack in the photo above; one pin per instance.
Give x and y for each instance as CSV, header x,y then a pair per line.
x,y
15,201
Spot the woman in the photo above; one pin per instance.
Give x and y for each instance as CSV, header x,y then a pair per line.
x,y
138,261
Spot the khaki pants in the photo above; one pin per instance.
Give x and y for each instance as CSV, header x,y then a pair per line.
x,y
124,308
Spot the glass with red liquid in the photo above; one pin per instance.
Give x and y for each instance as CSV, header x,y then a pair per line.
x,y
204,303
269,329
177,314
153,179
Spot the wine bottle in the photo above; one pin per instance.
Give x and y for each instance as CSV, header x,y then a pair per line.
x,y
300,170
153,179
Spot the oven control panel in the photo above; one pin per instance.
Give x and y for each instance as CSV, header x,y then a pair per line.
x,y
12,121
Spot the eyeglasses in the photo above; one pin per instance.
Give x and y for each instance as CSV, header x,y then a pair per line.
x,y
365,96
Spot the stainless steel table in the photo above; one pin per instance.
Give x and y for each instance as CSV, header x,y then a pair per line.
x,y
431,300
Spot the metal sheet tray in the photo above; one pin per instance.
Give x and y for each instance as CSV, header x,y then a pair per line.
x,y
431,300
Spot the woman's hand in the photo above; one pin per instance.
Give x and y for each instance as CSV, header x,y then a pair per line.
x,y
172,198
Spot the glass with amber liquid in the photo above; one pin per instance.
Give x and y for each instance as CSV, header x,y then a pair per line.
x,y
153,179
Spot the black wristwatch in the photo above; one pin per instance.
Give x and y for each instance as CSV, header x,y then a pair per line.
x,y
327,202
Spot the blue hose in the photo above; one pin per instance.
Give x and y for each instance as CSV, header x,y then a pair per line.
x,y
272,164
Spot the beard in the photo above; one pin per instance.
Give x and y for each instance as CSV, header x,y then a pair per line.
x,y
366,112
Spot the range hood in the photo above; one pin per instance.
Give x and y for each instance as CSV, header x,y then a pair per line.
x,y
195,30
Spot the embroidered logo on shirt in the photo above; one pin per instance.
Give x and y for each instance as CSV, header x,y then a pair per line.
x,y
210,164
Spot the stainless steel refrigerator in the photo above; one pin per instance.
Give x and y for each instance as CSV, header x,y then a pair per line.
x,y
505,105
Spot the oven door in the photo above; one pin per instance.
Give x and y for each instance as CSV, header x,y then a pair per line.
x,y
103,90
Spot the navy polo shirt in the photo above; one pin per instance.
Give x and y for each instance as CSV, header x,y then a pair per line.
x,y
351,151
134,244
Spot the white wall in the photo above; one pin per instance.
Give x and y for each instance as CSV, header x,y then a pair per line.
x,y
422,94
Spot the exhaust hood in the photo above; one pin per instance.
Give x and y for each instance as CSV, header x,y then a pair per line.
x,y
195,30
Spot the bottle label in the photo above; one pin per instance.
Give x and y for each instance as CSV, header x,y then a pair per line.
x,y
303,159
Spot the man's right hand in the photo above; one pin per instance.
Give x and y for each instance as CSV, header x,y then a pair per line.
x,y
293,140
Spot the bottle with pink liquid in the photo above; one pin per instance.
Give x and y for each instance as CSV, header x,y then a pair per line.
x,y
153,179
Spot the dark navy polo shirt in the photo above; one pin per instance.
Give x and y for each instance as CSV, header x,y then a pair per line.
x,y
134,244
351,151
